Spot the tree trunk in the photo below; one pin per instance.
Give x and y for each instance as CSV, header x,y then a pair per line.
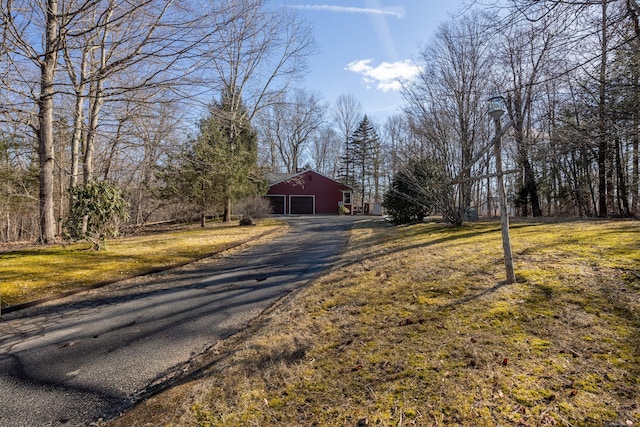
x,y
602,130
79,86
45,130
465,186
363,171
203,205
95,104
96,96
227,209
586,176
76,139
635,171
531,187
622,193
529,191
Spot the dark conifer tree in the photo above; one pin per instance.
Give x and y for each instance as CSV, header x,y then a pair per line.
x,y
219,166
358,158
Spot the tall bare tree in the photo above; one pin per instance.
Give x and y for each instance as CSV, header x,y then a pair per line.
x,y
110,49
347,115
113,52
527,55
446,104
292,124
256,59
598,30
22,22
326,149
130,51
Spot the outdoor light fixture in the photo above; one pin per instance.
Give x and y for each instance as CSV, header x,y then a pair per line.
x,y
496,107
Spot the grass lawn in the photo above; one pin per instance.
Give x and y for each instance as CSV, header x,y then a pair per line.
x,y
415,326
35,273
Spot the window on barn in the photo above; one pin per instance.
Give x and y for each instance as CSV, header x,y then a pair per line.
x,y
346,198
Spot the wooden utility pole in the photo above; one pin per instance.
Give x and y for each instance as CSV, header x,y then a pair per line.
x,y
504,215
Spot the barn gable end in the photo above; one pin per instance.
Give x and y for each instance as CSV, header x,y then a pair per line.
x,y
307,192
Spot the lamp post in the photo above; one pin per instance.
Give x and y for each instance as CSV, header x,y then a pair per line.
x,y
496,110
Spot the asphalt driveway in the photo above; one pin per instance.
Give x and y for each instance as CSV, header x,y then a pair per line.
x,y
74,360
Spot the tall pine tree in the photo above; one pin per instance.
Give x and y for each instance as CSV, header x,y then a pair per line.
x,y
236,151
219,166
359,157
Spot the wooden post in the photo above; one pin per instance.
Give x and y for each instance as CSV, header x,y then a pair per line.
x,y
504,215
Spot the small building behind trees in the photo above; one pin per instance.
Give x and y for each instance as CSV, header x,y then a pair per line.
x,y
307,193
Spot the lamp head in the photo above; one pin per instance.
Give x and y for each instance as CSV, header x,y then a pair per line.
x,y
497,106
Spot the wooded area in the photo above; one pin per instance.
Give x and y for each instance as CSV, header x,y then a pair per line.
x,y
105,90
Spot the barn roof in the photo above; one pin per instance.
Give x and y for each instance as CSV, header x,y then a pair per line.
x,y
276,177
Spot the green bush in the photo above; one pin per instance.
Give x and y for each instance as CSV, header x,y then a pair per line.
x,y
414,192
97,209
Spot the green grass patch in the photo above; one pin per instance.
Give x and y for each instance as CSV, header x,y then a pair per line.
x,y
416,326
35,273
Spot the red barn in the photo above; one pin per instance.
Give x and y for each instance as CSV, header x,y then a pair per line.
x,y
307,192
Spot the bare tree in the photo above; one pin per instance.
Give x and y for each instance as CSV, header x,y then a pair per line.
x,y
100,41
256,59
400,142
22,20
292,124
589,124
346,116
268,157
129,51
149,134
114,54
527,55
326,149
446,105
534,10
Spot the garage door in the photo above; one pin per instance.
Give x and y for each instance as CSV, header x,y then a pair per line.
x,y
302,205
277,204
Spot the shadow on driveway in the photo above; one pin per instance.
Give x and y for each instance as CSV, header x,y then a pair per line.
x,y
76,359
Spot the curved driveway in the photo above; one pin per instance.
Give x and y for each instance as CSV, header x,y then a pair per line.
x,y
72,361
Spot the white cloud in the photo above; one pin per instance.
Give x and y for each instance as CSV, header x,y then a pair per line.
x,y
388,76
398,12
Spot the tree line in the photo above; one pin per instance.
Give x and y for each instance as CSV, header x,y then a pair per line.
x,y
107,90
569,74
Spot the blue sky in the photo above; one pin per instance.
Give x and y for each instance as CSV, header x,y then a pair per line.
x,y
364,44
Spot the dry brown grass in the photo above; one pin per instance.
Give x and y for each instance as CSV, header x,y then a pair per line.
x,y
30,273
416,327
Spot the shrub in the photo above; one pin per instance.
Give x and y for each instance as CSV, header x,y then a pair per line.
x,y
414,192
252,208
343,210
247,221
97,210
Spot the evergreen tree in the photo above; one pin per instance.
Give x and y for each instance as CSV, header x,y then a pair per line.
x,y
416,190
219,166
236,151
189,177
359,157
